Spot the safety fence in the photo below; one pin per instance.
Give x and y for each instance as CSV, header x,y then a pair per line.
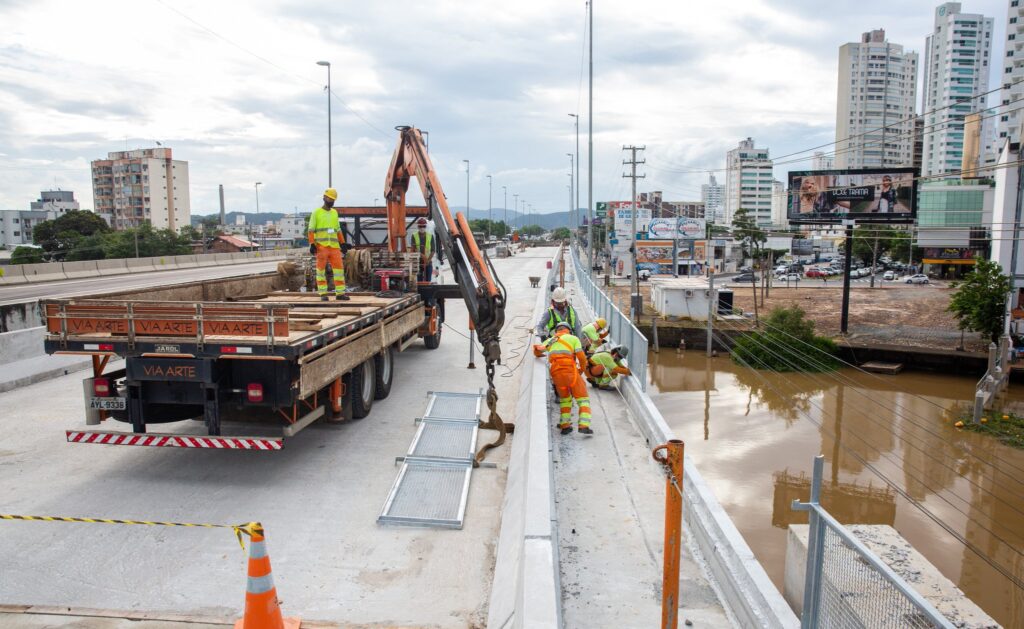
x,y
57,271
996,377
847,585
621,329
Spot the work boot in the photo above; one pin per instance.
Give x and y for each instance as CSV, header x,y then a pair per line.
x,y
324,298
585,430
342,297
566,428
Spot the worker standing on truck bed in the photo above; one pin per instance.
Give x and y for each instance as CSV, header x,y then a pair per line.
x,y
422,242
559,311
606,366
594,335
568,363
325,240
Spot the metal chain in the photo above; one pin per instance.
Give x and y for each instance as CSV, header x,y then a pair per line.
x,y
494,420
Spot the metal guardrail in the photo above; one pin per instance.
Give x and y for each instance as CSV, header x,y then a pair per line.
x,y
621,329
996,377
847,585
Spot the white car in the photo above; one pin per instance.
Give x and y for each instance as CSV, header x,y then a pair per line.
x,y
889,275
920,278
791,277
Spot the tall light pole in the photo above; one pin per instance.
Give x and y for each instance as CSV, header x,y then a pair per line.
x,y
576,208
258,184
515,198
467,188
375,199
490,189
572,229
505,207
330,149
572,169
590,143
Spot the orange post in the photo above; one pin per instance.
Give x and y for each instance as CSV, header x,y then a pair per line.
x,y
671,456
261,608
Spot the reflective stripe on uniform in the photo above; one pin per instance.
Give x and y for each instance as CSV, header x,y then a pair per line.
x,y
326,226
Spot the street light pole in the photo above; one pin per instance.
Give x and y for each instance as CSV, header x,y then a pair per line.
x,y
590,144
490,189
504,206
467,188
576,208
572,169
330,148
515,198
258,184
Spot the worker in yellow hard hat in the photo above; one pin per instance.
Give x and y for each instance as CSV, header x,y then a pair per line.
x,y
325,242
594,335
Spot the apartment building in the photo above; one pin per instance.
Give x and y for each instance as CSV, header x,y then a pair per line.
x,y
132,187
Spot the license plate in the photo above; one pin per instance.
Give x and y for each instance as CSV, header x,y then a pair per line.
x,y
107,403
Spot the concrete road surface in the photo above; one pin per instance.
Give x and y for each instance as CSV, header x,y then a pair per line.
x,y
319,499
72,288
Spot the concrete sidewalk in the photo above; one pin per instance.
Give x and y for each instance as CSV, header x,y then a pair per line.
x,y
28,371
610,497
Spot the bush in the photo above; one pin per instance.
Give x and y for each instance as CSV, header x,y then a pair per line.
x,y
26,255
786,343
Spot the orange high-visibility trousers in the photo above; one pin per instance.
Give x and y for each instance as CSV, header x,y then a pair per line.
x,y
333,256
570,386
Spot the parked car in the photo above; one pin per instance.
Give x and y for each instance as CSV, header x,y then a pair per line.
x,y
814,273
920,278
643,274
791,277
889,275
746,269
745,277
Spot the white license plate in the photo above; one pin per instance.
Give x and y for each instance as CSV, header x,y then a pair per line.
x,y
107,403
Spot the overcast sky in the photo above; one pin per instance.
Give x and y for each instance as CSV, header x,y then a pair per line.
x,y
234,89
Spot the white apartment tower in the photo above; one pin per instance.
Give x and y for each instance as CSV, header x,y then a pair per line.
x,y
820,161
712,195
748,182
1008,127
875,104
131,187
956,66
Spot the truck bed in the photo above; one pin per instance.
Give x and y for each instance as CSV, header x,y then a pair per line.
x,y
284,325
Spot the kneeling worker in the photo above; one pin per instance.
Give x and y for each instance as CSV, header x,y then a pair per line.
x,y
567,363
594,335
325,242
606,366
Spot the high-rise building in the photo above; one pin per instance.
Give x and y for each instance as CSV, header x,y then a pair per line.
x,y
712,195
1009,121
779,205
132,187
748,182
956,65
16,225
820,161
875,104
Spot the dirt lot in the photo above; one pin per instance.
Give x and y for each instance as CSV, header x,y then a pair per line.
x,y
897,314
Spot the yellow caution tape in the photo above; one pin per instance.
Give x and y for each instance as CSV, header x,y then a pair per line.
x,y
249,528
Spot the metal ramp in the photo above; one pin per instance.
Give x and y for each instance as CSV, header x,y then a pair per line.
x,y
432,487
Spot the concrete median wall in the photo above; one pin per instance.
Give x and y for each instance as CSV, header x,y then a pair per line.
x,y
21,344
526,591
12,274
55,271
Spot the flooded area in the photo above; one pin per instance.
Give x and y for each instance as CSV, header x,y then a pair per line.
x,y
753,436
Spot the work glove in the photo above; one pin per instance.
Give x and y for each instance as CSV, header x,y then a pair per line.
x,y
345,248
312,248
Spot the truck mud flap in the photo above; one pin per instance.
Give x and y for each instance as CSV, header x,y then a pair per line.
x,y
115,438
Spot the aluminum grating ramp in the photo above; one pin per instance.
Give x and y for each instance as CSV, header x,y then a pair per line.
x,y
433,485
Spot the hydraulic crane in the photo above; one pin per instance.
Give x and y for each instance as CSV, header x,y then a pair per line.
x,y
474,274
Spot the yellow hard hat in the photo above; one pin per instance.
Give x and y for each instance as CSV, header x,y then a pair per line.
x,y
331,193
601,323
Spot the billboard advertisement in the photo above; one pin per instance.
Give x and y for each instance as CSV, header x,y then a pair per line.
x,y
874,195
949,255
680,228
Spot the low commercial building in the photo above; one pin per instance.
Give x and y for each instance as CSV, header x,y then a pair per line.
x,y
16,225
953,219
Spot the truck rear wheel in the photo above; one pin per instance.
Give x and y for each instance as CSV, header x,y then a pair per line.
x,y
384,371
361,385
434,340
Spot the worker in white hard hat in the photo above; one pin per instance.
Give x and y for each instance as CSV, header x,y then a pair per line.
x,y
559,311
326,242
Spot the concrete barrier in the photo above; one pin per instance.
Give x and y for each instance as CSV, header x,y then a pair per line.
x,y
75,270
163,263
745,588
21,344
185,262
45,272
206,259
139,265
11,274
526,591
111,267
223,258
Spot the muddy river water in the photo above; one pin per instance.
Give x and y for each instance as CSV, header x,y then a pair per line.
x,y
753,436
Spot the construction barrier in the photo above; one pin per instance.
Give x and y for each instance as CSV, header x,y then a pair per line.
x,y
111,267
139,265
12,274
185,262
206,259
164,262
44,272
223,258
76,270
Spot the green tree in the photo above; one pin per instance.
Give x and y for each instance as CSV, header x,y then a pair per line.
x,y
26,255
531,230
59,236
745,230
887,239
979,301
786,343
497,229
88,248
151,242
561,233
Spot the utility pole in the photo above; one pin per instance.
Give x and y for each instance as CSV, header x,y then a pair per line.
x,y
590,145
635,306
844,317
711,307
576,208
330,149
504,206
515,210
572,166
490,190
570,211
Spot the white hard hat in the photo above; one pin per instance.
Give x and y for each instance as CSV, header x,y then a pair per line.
x,y
558,294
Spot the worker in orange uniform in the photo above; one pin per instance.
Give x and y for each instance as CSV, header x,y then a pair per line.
x,y
568,365
325,242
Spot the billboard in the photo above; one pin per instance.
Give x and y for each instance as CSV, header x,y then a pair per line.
x,y
949,255
873,195
680,228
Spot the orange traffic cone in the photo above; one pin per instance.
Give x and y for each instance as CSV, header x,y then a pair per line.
x,y
261,608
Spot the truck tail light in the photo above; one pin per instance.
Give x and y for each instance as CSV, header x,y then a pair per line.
x,y
254,392
101,387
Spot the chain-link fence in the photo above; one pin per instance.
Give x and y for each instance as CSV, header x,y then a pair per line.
x,y
620,329
848,586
